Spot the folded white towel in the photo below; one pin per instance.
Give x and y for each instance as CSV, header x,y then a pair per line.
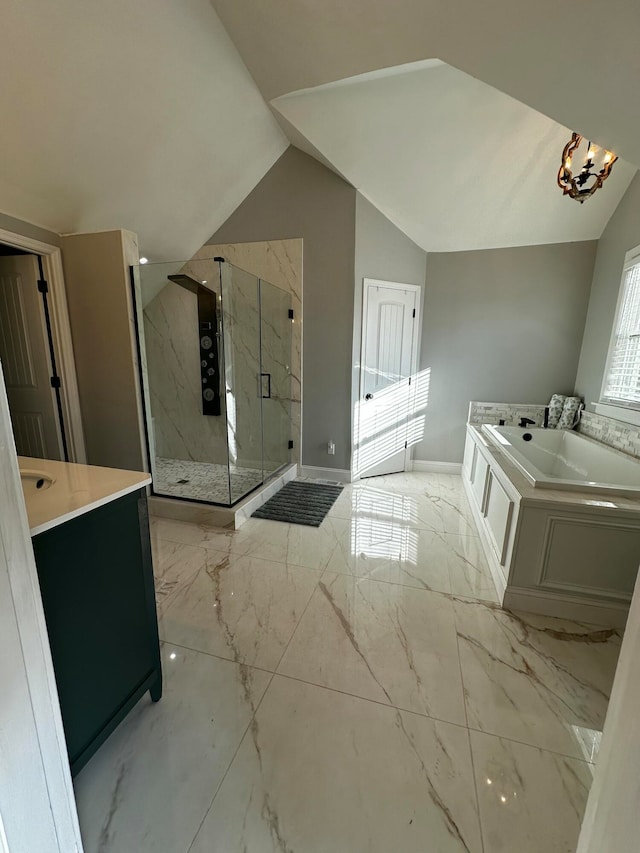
x,y
556,405
570,413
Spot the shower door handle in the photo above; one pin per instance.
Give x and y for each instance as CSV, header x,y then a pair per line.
x,y
266,396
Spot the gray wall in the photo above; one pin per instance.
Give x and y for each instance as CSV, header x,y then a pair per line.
x,y
26,229
621,234
384,252
299,197
501,325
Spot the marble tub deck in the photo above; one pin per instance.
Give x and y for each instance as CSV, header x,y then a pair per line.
x,y
351,688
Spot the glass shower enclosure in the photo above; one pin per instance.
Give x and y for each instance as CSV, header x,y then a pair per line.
x,y
216,376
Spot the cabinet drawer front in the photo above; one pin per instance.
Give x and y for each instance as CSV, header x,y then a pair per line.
x,y
498,514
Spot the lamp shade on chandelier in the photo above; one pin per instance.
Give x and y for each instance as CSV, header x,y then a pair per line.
x,y
581,174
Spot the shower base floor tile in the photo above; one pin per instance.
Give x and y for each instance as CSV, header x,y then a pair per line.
x,y
203,481
352,688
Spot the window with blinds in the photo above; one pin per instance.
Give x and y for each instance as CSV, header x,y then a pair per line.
x,y
622,377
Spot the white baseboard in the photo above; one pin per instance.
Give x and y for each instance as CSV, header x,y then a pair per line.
x,y
436,467
340,475
611,615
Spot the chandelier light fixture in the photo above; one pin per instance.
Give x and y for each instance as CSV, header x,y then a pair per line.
x,y
582,184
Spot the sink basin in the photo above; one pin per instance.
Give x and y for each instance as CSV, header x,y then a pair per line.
x,y
35,481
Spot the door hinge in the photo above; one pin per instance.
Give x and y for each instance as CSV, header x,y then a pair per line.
x,y
55,382
405,445
290,444
414,313
291,313
409,380
43,286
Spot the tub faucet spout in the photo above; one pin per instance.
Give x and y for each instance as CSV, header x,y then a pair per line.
x,y
525,422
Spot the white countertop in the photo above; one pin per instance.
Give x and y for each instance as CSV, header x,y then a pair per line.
x,y
76,489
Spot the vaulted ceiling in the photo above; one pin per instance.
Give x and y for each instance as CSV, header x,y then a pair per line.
x,y
460,153
154,116
577,63
123,114
453,162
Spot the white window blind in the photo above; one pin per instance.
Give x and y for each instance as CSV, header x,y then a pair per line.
x,y
622,377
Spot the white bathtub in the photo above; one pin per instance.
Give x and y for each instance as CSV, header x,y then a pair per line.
x,y
561,459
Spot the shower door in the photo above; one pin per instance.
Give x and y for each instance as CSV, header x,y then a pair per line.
x,y
275,376
242,365
215,368
257,355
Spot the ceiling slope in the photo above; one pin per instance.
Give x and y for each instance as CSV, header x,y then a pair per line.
x,y
577,63
454,163
128,115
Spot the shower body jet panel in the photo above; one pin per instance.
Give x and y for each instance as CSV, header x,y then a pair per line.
x,y
208,336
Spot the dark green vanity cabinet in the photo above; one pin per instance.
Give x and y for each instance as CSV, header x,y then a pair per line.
x,y
96,580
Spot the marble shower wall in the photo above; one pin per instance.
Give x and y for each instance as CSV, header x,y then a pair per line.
x,y
278,262
172,354
173,367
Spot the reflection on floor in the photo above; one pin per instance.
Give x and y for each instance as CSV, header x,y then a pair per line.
x,y
204,481
351,688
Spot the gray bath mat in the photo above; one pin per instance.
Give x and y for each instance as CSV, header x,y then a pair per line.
x,y
300,503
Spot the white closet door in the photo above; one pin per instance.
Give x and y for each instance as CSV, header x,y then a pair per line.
x,y
25,359
389,347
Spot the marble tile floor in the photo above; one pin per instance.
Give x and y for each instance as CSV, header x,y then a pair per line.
x,y
204,481
351,688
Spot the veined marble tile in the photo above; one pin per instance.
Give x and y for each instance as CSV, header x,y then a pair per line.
x,y
389,551
172,355
241,608
531,801
450,485
278,262
384,504
445,514
310,547
320,771
433,501
455,513
469,571
174,566
149,786
380,641
535,679
346,503
416,483
175,383
409,482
